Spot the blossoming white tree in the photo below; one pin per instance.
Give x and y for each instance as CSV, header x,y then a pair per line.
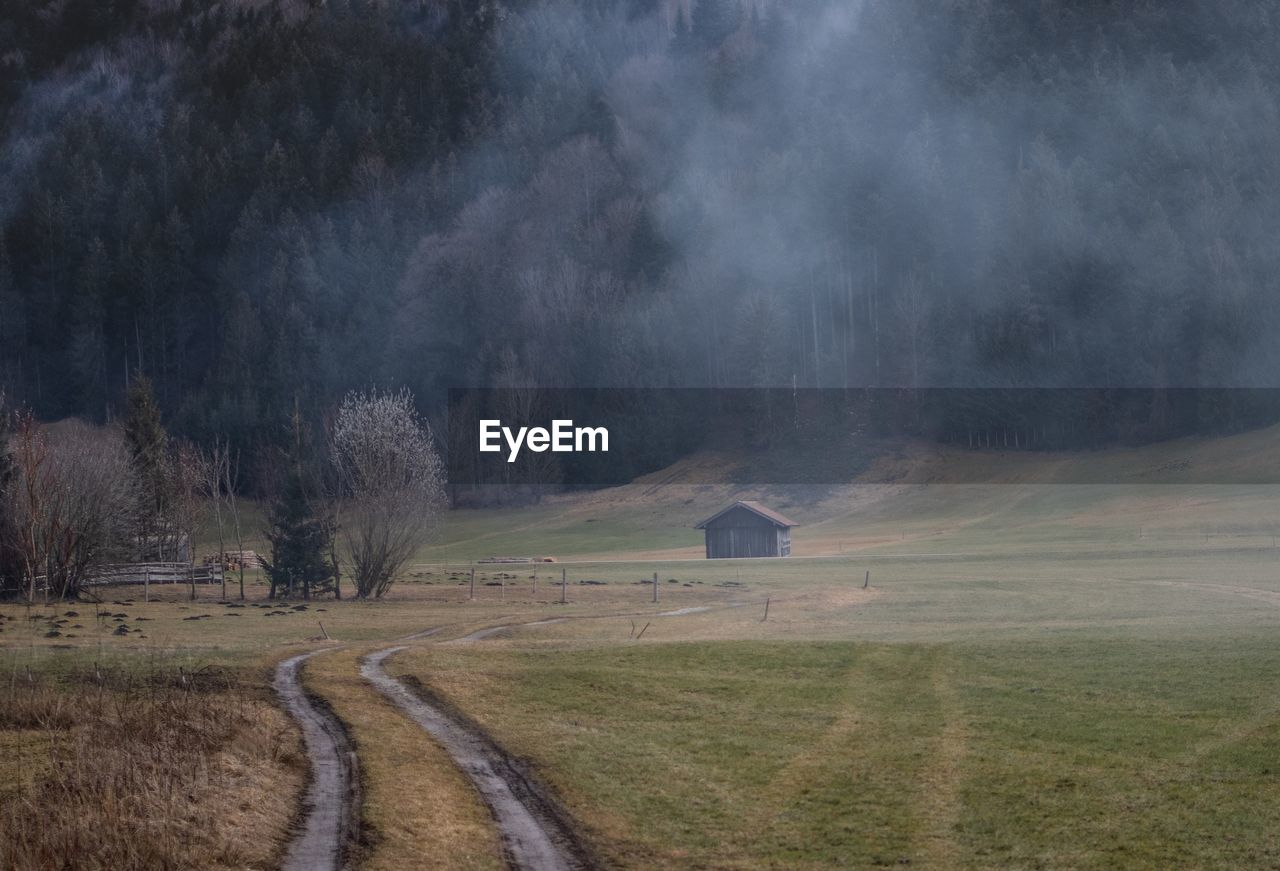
x,y
391,480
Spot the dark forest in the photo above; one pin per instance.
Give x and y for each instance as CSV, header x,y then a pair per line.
x,y
263,204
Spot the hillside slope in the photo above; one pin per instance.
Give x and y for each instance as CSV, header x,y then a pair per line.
x,y
1184,493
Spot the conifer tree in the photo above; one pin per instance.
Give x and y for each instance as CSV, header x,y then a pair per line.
x,y
301,537
148,445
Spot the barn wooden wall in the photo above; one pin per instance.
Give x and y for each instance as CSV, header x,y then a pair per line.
x,y
741,533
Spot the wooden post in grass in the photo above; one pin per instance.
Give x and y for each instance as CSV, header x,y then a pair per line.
x,y
473,582
564,586
766,609
655,586
146,584
867,580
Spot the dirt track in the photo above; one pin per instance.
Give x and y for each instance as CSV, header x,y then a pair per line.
x,y
535,833
330,808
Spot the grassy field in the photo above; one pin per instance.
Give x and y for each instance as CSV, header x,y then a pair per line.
x,y
1089,710
1037,676
133,767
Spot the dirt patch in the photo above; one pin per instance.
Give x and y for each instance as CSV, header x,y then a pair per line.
x,y
680,612
490,631
1258,594
330,824
537,832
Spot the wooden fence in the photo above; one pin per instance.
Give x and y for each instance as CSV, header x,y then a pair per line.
x,y
155,573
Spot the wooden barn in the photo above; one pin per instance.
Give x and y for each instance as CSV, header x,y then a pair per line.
x,y
747,529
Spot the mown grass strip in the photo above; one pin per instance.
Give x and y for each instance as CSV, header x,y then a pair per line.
x,y
418,809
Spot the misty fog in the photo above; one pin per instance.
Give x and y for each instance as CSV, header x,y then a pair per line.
x,y
262,202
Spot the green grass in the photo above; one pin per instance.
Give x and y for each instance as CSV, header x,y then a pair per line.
x,y
630,733
1083,752
1134,752
1026,520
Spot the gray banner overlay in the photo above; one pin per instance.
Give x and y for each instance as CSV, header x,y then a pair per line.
x,y
605,437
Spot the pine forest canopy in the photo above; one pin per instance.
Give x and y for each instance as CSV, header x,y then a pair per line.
x,y
263,202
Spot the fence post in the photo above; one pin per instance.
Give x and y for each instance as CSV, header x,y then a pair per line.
x,y
146,584
564,586
655,586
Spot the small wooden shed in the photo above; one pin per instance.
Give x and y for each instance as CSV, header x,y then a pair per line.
x,y
747,529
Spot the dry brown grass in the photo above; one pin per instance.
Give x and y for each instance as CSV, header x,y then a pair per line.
x,y
419,810
138,771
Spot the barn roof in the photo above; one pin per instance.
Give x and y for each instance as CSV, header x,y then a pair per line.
x,y
754,507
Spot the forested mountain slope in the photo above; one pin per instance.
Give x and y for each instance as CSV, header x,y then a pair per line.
x,y
263,202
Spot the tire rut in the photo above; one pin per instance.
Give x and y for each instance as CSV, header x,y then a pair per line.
x,y
331,808
536,833
492,631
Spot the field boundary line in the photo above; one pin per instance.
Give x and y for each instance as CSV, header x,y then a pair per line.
x,y
941,794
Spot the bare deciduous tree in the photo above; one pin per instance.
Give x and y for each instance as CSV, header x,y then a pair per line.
x,y
230,482
390,475
215,472
74,503
30,515
10,567
187,475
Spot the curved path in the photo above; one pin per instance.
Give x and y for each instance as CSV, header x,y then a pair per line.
x,y
533,834
330,811
536,834
491,631
1260,594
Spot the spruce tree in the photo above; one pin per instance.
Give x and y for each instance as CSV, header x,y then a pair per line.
x,y
148,444
301,538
